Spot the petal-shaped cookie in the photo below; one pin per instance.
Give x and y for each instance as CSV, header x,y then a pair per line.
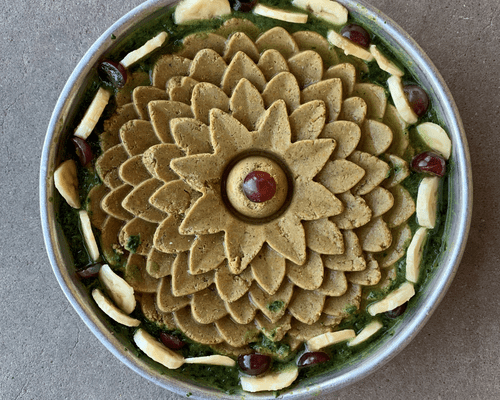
x,y
401,138
379,200
279,39
133,171
307,66
339,176
232,287
334,283
137,201
375,98
157,161
208,66
399,170
351,260
108,164
401,237
168,239
314,201
148,308
308,40
308,121
271,63
159,264
287,237
376,137
242,244
137,136
330,91
207,253
240,42
202,171
238,25
228,134
273,306
369,277
110,137
303,332
269,279
403,208
112,202
306,305
246,104
376,172
195,42
346,134
183,283
274,331
356,212
388,277
173,197
339,306
137,78
374,236
307,157
207,306
204,334
308,276
137,236
162,111
273,129
206,97
165,300
354,109
137,276
110,245
96,213
180,88
283,86
347,73
142,95
323,236
242,66
191,135
242,310
237,335
208,215
168,66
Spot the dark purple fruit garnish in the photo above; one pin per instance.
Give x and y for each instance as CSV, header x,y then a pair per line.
x,y
312,358
244,5
356,34
171,341
419,101
83,150
254,364
112,72
89,272
430,163
397,311
259,186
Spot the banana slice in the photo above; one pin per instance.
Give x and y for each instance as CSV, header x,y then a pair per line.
x,y
329,338
66,183
400,100
118,289
88,235
157,351
272,381
93,113
212,360
144,50
189,10
297,18
384,63
436,138
328,10
427,198
112,311
414,255
349,47
394,299
369,330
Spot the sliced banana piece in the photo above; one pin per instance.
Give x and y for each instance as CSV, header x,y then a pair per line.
x,y
157,351
384,63
414,255
329,338
66,183
118,289
436,138
368,331
212,360
394,299
349,47
88,235
189,10
400,100
93,113
144,50
427,199
328,10
297,18
272,381
112,311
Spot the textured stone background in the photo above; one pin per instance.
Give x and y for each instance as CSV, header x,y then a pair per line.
x,y
46,352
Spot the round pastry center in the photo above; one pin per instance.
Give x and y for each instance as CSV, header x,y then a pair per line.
x,y
257,187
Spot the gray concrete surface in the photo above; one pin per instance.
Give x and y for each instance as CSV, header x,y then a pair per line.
x,y
46,352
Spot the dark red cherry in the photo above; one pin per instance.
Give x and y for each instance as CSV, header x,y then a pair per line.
x,y
418,99
312,358
83,150
356,34
430,163
254,364
171,341
89,272
397,311
244,5
112,72
259,186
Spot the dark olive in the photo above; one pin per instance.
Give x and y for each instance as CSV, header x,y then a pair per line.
x,y
312,358
171,341
254,364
